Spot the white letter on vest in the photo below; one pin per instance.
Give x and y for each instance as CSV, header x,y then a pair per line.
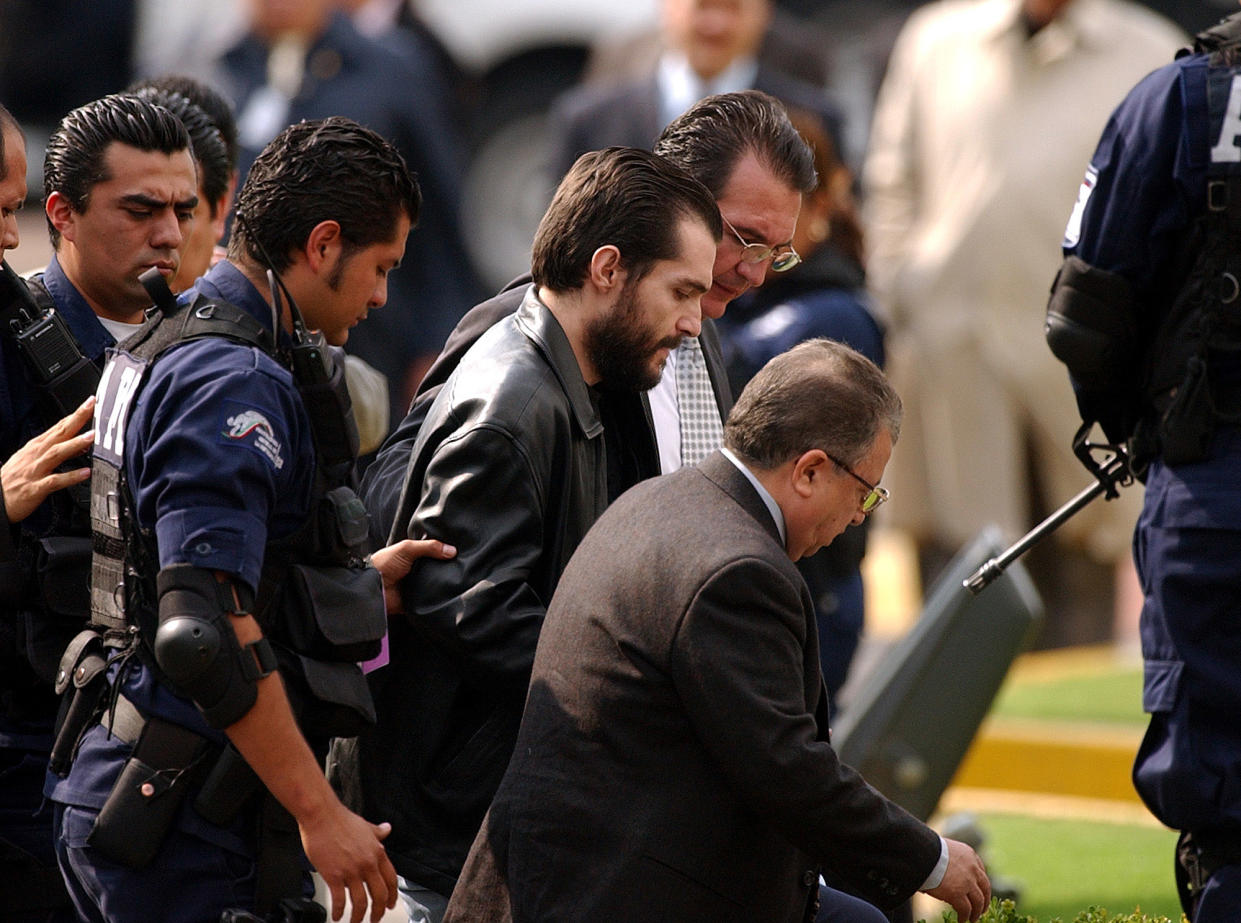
x,y
1226,149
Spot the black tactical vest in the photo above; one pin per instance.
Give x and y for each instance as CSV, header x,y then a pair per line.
x,y
1194,363
319,603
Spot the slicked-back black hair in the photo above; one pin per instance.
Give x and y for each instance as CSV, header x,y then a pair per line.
x,y
73,163
324,170
709,139
206,98
209,148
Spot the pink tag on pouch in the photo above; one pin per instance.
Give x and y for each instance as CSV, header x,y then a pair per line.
x,y
380,660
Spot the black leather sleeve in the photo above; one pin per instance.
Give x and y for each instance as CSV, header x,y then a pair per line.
x,y
481,494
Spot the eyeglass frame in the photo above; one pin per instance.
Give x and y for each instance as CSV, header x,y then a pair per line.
x,y
880,494
781,261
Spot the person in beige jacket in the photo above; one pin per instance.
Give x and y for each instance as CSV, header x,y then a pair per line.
x,y
984,118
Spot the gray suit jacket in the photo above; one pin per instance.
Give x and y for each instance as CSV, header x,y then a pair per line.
x,y
674,752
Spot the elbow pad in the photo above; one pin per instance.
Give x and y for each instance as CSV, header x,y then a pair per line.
x,y
1091,327
197,650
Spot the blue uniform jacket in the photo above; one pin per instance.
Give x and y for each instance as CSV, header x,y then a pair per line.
x,y
219,456
1144,191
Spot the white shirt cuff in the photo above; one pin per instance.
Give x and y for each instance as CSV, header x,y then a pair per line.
x,y
936,878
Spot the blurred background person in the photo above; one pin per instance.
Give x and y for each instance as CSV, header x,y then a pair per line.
x,y
305,60
985,115
706,47
824,296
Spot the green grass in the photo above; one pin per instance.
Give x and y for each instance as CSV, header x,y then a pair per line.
x,y
1004,911
1066,866
1112,696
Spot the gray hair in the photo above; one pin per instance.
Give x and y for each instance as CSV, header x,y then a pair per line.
x,y
818,395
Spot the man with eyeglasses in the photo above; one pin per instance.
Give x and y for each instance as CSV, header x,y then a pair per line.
x,y
875,495
673,759
742,147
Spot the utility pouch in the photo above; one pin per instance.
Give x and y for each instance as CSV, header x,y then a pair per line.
x,y
143,803
80,681
329,699
344,526
228,788
1189,422
335,614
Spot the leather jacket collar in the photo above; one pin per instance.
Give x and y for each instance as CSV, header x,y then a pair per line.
x,y
541,327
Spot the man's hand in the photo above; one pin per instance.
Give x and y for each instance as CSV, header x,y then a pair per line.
x,y
965,885
348,852
30,475
394,561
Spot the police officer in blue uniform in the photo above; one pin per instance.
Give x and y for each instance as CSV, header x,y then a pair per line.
x,y
52,343
1146,315
229,595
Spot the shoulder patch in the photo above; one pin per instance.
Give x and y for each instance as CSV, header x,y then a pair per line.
x,y
250,427
1073,232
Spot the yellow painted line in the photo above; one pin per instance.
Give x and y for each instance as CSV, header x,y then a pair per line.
x,y
1073,662
1059,807
1056,758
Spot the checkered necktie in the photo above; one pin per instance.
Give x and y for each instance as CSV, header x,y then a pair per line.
x,y
701,430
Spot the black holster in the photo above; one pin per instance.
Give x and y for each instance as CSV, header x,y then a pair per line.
x,y
80,682
280,868
1198,857
230,786
143,804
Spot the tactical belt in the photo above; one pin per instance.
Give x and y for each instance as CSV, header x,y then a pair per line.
x,y
169,759
124,721
228,782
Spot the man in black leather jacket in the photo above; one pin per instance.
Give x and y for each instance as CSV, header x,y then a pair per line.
x,y
714,142
511,465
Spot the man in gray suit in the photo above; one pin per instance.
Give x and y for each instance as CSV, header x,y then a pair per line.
x,y
673,762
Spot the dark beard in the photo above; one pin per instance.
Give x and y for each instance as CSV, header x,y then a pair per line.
x,y
620,347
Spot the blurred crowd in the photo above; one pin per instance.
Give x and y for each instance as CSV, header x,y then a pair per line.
x,y
894,177
931,241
